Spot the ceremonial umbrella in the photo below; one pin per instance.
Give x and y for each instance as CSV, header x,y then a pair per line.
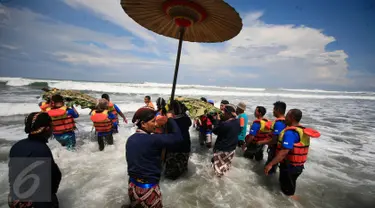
x,y
206,21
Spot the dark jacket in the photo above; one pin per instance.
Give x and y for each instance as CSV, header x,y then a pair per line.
x,y
184,123
143,152
34,151
227,135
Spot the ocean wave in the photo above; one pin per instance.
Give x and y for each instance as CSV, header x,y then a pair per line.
x,y
38,84
326,91
182,90
16,81
8,109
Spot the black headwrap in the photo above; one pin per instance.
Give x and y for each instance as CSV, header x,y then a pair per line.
x,y
37,122
178,108
225,102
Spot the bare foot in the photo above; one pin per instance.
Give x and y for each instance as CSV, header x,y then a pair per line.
x,y
294,197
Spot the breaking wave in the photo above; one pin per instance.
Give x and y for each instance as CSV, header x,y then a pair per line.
x,y
186,90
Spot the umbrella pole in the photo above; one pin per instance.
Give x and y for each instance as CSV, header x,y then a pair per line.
x,y
182,31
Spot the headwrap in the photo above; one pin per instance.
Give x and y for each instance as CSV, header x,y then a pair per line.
x,y
143,114
225,102
231,109
160,103
178,108
37,122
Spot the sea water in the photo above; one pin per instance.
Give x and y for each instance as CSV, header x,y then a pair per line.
x,y
338,174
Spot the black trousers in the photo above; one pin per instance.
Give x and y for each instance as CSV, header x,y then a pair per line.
x,y
254,150
288,178
102,140
271,154
240,143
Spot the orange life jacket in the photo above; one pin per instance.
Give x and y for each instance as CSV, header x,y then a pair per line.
x,y
161,122
264,132
298,155
43,107
101,121
62,123
112,109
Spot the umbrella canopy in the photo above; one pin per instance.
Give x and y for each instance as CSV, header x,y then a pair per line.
x,y
190,20
204,20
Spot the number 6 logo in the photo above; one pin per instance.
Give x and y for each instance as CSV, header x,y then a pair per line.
x,y
22,177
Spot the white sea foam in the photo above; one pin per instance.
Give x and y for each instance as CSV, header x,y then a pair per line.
x,y
325,91
188,90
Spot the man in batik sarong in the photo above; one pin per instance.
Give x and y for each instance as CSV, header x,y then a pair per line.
x,y
227,132
143,156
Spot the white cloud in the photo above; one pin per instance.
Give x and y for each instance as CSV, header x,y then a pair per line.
x,y
289,50
261,51
58,39
111,10
10,47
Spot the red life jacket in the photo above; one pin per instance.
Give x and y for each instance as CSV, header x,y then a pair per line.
x,y
112,109
298,155
264,132
205,122
43,107
62,123
101,121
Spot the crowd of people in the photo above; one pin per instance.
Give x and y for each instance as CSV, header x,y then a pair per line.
x,y
161,144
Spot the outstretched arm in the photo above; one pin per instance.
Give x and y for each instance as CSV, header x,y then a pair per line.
x,y
73,112
120,113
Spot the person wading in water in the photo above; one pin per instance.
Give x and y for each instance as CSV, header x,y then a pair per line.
x,y
35,157
178,156
292,150
278,125
102,120
143,155
148,102
63,122
227,132
115,110
259,132
242,116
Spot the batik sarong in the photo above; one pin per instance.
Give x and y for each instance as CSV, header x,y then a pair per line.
x,y
144,197
222,162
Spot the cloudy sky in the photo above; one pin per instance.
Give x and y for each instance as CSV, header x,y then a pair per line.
x,y
291,44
